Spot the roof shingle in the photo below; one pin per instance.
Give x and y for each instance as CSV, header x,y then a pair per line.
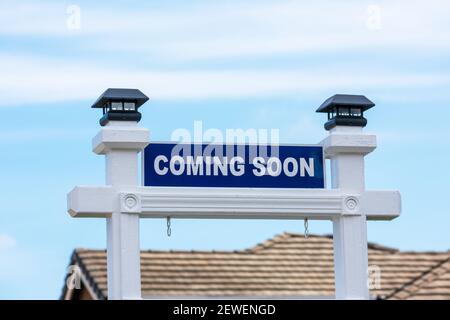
x,y
288,265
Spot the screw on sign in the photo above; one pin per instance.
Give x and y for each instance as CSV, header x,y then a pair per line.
x,y
351,203
130,201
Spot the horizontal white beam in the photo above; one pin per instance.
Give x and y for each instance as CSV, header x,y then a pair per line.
x,y
84,201
240,203
381,205
234,203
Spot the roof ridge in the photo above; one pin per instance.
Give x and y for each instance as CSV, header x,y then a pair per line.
x,y
193,251
80,249
417,281
298,234
371,245
269,242
259,246
424,252
381,247
76,259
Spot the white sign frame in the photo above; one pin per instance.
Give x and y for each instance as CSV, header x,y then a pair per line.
x,y
123,202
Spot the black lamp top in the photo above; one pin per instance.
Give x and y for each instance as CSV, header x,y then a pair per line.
x,y
123,95
346,100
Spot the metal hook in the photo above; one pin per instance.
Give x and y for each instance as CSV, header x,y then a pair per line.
x,y
306,229
169,229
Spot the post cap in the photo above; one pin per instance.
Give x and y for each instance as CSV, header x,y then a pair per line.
x,y
346,100
345,110
120,94
120,105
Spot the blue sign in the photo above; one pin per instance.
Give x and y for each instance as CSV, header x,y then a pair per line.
x,y
233,165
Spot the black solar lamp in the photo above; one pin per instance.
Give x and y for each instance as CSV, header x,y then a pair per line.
x,y
120,105
345,110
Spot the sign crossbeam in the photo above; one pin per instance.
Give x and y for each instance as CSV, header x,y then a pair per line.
x,y
224,203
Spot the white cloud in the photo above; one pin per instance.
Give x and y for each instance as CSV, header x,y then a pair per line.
x,y
224,29
216,30
34,79
6,242
423,136
305,129
15,137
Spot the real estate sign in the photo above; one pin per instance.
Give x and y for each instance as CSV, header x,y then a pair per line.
x,y
233,165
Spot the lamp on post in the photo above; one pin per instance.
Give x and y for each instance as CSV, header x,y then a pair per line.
x,y
120,105
345,110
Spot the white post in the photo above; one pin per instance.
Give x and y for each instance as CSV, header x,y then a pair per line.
x,y
121,142
346,148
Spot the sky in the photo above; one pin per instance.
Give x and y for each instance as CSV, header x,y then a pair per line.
x,y
230,64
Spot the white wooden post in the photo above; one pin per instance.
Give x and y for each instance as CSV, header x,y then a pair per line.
x,y
121,142
346,147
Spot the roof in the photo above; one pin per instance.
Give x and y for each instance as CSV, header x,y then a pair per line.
x,y
119,94
346,100
288,265
432,284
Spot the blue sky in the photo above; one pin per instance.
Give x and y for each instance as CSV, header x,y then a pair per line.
x,y
231,64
